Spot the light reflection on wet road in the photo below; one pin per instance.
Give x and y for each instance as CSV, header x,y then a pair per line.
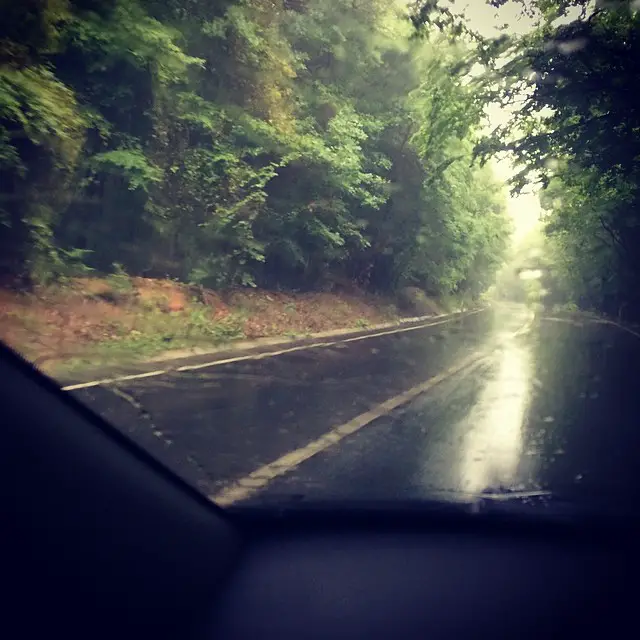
x,y
492,445
554,407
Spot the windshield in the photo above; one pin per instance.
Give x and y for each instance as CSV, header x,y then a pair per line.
x,y
333,250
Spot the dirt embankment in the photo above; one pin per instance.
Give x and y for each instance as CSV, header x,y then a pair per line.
x,y
109,319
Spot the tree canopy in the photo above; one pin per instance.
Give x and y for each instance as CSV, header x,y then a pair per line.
x,y
571,83
275,143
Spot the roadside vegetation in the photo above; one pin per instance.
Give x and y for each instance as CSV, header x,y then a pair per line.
x,y
575,131
282,145
117,319
306,146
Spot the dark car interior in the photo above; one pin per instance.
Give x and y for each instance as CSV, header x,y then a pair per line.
x,y
100,540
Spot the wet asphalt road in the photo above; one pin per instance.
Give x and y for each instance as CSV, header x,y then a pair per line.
x,y
553,405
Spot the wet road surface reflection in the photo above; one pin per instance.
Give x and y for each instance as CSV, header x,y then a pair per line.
x,y
494,439
552,405
553,409
215,425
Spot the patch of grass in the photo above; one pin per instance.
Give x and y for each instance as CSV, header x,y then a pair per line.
x,y
362,323
290,307
570,307
449,303
154,331
120,280
193,325
153,303
389,312
119,288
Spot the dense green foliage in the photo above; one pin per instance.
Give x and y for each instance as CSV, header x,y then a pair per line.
x,y
290,143
576,129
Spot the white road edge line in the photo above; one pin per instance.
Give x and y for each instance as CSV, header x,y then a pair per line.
x,y
620,326
259,356
575,323
587,320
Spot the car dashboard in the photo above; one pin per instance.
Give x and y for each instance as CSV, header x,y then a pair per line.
x,y
102,541
331,573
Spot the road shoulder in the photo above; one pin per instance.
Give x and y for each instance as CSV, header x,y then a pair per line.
x,y
185,360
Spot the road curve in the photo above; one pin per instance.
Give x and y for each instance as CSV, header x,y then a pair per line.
x,y
494,401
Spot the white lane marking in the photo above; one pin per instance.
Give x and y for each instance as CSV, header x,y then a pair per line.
x,y
245,487
135,376
562,320
271,354
260,356
587,320
621,326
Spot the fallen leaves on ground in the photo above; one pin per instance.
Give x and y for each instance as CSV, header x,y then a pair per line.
x,y
57,323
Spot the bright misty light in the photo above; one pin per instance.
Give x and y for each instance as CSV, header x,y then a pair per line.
x,y
552,164
531,274
524,208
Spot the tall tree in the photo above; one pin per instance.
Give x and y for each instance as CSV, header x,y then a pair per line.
x,y
576,129
249,142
